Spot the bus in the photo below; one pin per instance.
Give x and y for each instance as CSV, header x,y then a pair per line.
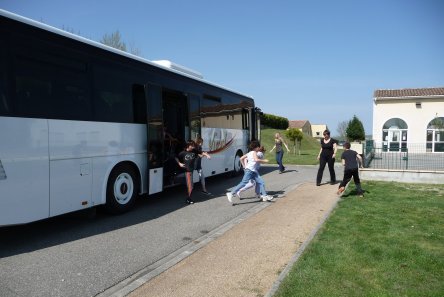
x,y
83,124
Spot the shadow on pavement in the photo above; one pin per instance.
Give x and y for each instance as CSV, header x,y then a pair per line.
x,y
81,224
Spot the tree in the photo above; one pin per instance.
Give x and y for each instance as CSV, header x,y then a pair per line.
x,y
342,128
114,40
355,130
437,123
295,135
134,50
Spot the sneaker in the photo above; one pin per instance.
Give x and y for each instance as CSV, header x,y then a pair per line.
x,y
258,196
318,184
340,190
267,198
189,201
206,193
230,197
238,195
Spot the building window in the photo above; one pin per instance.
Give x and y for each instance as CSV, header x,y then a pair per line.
x,y
394,135
435,135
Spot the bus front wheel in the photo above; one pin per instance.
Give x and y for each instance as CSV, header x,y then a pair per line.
x,y
121,190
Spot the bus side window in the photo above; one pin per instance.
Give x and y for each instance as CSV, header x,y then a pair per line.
x,y
139,104
112,96
34,90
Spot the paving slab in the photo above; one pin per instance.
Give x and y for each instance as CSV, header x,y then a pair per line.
x,y
250,258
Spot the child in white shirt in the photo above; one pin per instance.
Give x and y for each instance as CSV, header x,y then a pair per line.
x,y
249,162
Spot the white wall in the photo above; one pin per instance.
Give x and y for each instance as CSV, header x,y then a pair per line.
x,y
417,119
403,176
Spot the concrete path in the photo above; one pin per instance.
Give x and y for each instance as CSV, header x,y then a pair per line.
x,y
251,258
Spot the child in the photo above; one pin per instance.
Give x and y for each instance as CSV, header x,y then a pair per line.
x,y
350,161
249,162
198,166
251,183
185,160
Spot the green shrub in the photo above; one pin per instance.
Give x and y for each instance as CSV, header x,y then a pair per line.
x,y
273,121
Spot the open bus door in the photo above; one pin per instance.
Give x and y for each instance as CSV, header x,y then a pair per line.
x,y
176,132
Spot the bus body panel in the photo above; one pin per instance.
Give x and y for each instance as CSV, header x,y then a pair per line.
x,y
70,187
156,180
82,155
24,192
222,144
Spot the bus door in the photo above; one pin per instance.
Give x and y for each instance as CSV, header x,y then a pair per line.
x,y
176,131
154,138
255,125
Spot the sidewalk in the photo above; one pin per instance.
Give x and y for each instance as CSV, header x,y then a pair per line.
x,y
249,258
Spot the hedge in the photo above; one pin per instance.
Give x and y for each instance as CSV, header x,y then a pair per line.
x,y
273,121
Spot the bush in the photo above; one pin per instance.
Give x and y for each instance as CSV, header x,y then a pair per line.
x,y
275,122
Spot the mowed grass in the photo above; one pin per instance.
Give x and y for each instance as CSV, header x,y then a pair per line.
x,y
308,152
389,243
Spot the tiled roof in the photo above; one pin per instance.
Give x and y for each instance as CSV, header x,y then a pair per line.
x,y
297,123
402,93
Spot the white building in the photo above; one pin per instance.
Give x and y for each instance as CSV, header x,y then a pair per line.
x,y
317,130
406,117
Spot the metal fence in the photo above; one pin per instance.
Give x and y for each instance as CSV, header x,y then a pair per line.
x,y
411,156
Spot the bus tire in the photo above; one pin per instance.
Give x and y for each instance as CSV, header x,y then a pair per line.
x,y
121,189
237,169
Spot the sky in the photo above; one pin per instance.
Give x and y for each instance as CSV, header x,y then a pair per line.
x,y
315,60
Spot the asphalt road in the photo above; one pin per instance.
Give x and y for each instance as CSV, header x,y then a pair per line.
x,y
83,254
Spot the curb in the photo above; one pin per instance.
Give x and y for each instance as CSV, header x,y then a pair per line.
x,y
141,277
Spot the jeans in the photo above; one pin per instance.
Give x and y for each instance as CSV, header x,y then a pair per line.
x,y
279,156
254,176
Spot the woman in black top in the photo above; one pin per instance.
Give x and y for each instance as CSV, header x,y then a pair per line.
x,y
327,155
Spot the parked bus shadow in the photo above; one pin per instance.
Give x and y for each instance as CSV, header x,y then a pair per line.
x,y
82,224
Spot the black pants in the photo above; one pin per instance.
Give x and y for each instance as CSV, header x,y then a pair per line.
x,y
348,174
326,159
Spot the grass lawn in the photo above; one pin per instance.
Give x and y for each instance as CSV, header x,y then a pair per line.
x,y
389,243
308,153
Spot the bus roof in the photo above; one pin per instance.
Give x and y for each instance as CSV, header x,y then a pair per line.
x,y
165,64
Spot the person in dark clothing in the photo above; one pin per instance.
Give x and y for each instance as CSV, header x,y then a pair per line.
x,y
350,161
198,166
186,160
327,155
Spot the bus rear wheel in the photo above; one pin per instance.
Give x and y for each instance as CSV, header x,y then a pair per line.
x,y
121,189
237,170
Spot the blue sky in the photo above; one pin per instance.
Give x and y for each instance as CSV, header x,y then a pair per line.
x,y
305,60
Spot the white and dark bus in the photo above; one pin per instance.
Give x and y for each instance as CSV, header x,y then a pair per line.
x,y
83,124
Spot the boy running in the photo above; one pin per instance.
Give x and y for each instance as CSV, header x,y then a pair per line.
x,y
350,161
